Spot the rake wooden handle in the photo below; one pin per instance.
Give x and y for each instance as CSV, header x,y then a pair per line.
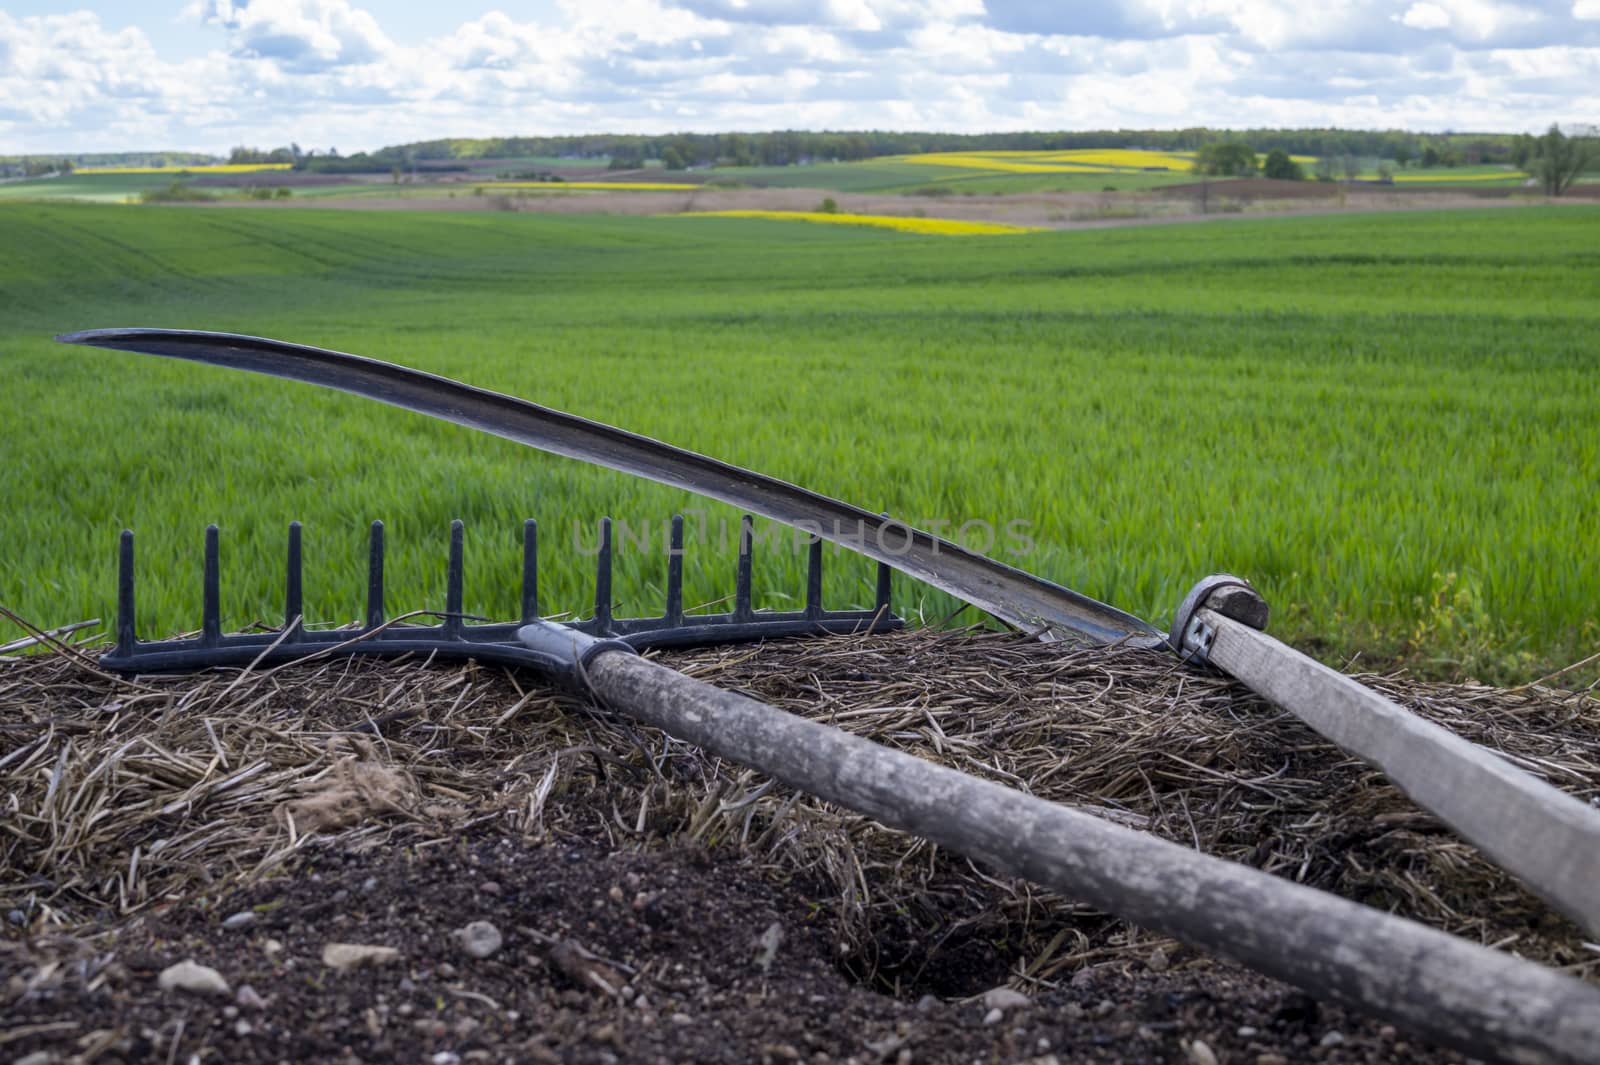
x,y
1543,836
1491,1005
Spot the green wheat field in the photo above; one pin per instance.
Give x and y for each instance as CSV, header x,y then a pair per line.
x,y
1390,423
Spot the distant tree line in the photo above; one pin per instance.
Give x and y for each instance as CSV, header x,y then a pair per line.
x,y
15,166
243,156
786,147
1339,152
30,166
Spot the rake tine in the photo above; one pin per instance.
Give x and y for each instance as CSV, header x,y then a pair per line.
x,y
885,590
814,577
741,589
675,573
125,601
375,578
452,582
211,605
293,605
602,581
530,571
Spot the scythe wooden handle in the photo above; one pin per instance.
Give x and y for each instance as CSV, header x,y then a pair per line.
x,y
1489,1004
1543,836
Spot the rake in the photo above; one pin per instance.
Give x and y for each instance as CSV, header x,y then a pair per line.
x,y
454,639
1487,1003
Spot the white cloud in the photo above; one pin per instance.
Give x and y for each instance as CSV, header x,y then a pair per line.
x,y
1425,17
326,72
300,34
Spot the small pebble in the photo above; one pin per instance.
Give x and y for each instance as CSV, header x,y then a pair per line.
x,y
615,894
241,1028
246,996
242,919
369,885
18,918
1158,963
446,1057
927,1003
344,956
38,1057
1246,1031
272,946
994,1016
406,984
1332,1039
1271,1059
193,978
1388,1031
230,1011
681,1018
479,939
489,887
1004,998
1081,978
1200,1053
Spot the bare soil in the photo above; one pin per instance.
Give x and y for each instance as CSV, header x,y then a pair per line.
x,y
677,928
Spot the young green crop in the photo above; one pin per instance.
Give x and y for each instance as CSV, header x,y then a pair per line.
x,y
1391,423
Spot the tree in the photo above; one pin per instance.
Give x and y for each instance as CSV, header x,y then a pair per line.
x,y
1430,157
1351,167
671,159
1402,155
1524,147
1226,159
1326,168
1281,168
1560,160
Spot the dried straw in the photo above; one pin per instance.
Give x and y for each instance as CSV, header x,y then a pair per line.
x,y
121,795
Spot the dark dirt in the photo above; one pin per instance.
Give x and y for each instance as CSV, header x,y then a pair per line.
x,y
678,929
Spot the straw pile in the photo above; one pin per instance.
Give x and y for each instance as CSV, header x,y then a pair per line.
x,y
121,795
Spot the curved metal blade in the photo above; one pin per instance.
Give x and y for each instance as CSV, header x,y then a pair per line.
x,y
1010,594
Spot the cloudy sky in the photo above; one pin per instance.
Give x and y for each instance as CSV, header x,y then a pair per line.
x,y
112,75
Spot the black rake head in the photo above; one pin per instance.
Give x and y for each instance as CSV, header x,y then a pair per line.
x,y
454,638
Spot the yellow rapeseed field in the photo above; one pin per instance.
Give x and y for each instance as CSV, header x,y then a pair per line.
x,y
997,162
1074,161
947,227
221,168
621,186
1431,177
1123,158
